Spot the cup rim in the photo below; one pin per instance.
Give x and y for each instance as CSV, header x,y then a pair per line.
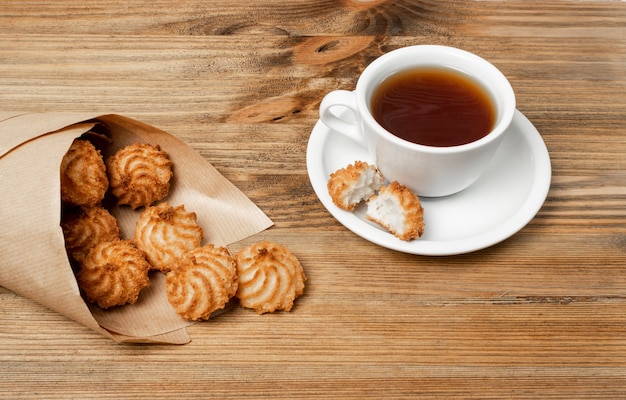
x,y
507,93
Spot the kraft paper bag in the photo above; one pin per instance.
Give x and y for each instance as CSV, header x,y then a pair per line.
x,y
33,259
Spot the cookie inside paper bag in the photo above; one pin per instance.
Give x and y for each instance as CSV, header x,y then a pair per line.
x,y
35,263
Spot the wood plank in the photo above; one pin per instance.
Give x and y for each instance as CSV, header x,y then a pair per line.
x,y
540,315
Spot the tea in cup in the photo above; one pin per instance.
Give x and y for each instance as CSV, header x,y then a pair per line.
x,y
431,117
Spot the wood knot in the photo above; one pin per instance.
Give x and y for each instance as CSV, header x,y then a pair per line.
x,y
363,3
272,109
321,50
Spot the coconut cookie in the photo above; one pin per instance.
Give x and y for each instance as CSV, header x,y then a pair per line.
x,y
270,277
84,179
85,228
202,282
113,273
166,233
398,210
139,174
355,183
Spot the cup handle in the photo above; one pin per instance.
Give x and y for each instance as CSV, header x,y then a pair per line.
x,y
346,99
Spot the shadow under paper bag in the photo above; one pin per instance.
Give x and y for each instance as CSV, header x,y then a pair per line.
x,y
34,262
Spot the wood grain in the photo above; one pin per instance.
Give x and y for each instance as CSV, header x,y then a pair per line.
x,y
540,315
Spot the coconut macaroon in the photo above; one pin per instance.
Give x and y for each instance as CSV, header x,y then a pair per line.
x,y
202,282
84,179
353,184
166,233
398,210
113,273
83,229
270,277
139,174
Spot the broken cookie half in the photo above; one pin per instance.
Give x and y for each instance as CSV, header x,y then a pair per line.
x,y
395,207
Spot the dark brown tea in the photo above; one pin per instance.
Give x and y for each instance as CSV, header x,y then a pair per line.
x,y
434,107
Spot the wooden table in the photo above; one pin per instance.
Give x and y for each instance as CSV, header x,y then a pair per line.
x,y
540,315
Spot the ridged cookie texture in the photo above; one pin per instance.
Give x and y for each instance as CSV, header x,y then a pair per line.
x,y
113,273
270,277
202,282
139,174
84,179
166,233
83,229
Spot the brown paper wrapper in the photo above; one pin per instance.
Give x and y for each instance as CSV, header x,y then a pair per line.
x,y
33,260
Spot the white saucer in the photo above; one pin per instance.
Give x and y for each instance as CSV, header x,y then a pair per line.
x,y
494,208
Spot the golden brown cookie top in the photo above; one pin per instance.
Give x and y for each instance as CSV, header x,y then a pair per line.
x,y
83,175
85,228
202,282
139,174
270,277
113,273
355,183
165,233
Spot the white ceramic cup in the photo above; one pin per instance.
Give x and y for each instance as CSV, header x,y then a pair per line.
x,y
429,171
